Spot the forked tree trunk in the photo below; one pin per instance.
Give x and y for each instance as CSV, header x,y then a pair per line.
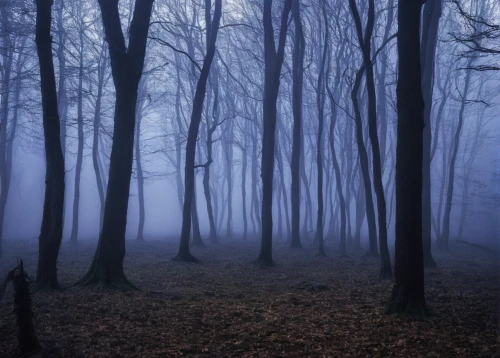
x,y
365,44
126,66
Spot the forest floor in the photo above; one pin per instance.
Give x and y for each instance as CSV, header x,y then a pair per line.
x,y
226,307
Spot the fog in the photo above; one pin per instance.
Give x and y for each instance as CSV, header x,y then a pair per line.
x,y
259,177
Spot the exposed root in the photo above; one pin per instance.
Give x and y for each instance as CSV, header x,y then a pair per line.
x,y
93,278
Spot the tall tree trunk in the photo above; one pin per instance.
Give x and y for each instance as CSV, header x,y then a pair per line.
x,y
7,54
273,63
320,101
51,230
197,240
244,165
364,167
445,236
255,198
184,254
430,26
365,43
408,291
79,155
101,70
211,127
178,142
126,66
281,170
298,79
334,97
228,153
348,183
138,162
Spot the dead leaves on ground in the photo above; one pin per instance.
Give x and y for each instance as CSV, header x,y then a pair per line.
x,y
226,307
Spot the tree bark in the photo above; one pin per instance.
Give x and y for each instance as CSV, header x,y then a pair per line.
x,y
273,59
408,291
365,44
79,155
445,236
364,168
298,79
184,254
138,157
320,102
51,230
126,67
7,53
430,26
101,70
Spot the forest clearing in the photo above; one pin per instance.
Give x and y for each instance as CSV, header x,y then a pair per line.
x,y
226,307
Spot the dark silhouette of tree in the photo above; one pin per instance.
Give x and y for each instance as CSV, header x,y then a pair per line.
x,y
126,67
365,44
320,102
51,231
184,254
298,79
273,59
408,291
430,26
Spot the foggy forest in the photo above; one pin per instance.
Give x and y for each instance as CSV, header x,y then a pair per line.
x,y
249,178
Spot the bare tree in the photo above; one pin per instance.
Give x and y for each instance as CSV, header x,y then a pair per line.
x,y
408,291
50,237
184,254
126,66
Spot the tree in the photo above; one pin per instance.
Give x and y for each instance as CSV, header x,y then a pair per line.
x,y
320,101
430,26
273,59
365,44
298,78
126,67
184,254
408,290
79,156
51,231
